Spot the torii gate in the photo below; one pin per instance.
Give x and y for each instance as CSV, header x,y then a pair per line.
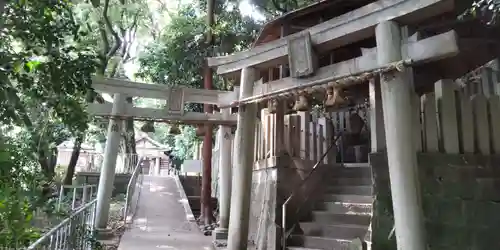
x,y
393,58
173,113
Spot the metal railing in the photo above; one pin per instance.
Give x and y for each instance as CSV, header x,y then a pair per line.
x,y
75,232
80,195
285,234
133,191
125,163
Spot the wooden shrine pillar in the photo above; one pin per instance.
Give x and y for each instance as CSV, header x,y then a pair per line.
x,y
401,153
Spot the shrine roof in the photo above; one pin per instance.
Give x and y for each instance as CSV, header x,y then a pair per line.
x,y
272,29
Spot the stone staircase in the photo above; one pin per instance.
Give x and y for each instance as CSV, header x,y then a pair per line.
x,y
342,215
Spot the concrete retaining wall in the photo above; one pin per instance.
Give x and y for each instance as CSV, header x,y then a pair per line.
x,y
461,201
92,178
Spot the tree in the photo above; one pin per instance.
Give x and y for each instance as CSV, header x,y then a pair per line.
x,y
275,8
484,10
44,79
37,93
117,23
176,58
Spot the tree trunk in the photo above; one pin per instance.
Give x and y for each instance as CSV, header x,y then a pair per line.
x,y
70,172
130,148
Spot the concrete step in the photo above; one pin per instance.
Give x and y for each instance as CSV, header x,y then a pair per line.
x,y
301,248
358,190
329,218
344,207
340,231
356,165
350,198
318,242
355,181
351,172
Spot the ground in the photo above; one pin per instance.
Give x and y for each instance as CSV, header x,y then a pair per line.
x,y
160,222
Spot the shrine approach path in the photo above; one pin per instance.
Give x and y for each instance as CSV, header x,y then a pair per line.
x,y
160,222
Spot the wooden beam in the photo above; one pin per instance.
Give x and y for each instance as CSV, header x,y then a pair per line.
x,y
429,49
157,91
162,115
353,26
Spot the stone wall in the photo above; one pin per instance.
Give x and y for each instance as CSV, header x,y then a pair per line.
x,y
191,184
460,196
263,229
271,186
92,178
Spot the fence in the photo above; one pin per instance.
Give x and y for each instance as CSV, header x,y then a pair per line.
x,y
133,191
305,135
79,195
75,232
125,163
455,120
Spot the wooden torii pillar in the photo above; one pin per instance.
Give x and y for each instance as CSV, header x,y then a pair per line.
x,y
175,98
390,55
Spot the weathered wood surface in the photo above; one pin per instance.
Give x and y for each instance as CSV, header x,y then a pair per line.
x,y
429,49
344,29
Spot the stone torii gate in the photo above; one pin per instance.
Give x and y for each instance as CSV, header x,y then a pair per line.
x,y
396,54
173,113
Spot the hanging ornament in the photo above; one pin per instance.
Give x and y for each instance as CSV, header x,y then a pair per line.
x,y
148,127
272,106
334,97
289,108
174,129
200,130
302,103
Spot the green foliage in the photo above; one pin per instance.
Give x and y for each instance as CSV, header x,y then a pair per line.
x,y
44,78
44,81
19,191
177,57
274,8
485,10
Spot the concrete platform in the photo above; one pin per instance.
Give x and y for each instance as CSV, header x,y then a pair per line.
x,y
160,222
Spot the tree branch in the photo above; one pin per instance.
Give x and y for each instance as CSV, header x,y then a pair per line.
x,y
111,52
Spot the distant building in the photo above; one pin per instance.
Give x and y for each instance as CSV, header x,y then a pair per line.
x,y
91,156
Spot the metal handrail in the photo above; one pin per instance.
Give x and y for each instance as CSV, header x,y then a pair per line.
x,y
84,198
66,234
131,187
283,207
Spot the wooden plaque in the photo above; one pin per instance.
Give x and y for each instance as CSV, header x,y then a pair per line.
x,y
301,56
175,102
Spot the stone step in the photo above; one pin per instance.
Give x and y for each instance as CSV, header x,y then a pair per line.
x,y
344,207
343,181
343,172
313,242
301,248
359,190
351,198
329,218
339,231
356,165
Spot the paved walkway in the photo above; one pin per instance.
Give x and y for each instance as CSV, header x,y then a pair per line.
x,y
161,221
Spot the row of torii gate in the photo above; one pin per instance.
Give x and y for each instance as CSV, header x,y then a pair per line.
x,y
392,60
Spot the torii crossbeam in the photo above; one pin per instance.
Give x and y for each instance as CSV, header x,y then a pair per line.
x,y
175,98
173,112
